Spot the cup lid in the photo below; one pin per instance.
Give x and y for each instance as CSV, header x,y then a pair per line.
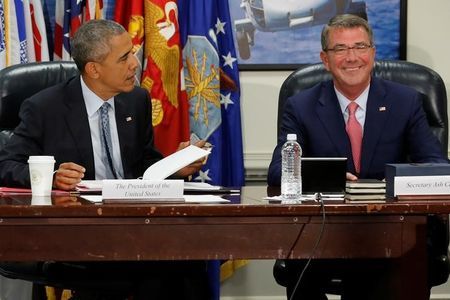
x,y
41,159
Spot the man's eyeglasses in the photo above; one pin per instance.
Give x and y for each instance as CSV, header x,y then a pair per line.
x,y
342,50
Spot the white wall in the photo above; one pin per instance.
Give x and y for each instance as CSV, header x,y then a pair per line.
x,y
428,43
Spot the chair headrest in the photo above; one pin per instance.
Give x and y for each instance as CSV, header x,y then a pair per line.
x,y
22,81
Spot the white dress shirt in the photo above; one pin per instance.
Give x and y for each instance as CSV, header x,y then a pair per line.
x,y
93,103
362,106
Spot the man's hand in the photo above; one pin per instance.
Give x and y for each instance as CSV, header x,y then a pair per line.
x,y
68,176
351,177
193,167
66,201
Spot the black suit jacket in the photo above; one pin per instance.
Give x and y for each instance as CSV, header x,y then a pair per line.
x,y
55,122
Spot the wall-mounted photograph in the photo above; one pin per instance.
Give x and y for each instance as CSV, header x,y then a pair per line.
x,y
285,34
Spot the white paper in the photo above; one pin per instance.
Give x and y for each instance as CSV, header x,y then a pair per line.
x,y
200,186
188,199
174,162
204,199
93,198
90,185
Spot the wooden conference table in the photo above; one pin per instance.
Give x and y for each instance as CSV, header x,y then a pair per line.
x,y
72,229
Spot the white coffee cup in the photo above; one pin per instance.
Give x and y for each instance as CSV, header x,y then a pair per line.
x,y
41,174
41,200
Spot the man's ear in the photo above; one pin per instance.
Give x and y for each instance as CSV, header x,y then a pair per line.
x,y
324,58
90,69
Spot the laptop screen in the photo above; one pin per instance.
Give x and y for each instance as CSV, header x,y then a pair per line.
x,y
323,174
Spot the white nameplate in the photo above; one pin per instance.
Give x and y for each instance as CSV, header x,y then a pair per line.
x,y
166,190
422,185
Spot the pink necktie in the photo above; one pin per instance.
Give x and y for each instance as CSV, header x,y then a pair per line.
x,y
354,132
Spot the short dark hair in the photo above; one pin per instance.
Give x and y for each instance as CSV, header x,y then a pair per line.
x,y
91,41
345,21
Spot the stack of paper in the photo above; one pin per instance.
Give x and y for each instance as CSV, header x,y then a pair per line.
x,y
366,190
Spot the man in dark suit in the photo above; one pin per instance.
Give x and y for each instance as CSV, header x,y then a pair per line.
x,y
65,121
388,125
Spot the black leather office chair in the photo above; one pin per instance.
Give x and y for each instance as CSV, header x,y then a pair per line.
x,y
20,82
427,82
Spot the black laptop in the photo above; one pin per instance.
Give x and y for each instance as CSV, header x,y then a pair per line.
x,y
324,175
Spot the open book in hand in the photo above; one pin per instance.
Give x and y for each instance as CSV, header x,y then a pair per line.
x,y
174,162
159,170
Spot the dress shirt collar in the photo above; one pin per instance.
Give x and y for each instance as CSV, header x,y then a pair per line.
x,y
361,100
91,100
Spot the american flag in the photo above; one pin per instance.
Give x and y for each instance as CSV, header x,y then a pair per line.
x,y
69,15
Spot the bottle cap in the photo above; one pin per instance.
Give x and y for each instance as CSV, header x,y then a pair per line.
x,y
291,137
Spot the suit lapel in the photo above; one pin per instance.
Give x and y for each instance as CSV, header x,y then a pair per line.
x,y
330,115
78,125
124,120
376,116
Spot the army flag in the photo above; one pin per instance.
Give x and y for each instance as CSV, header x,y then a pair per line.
x,y
162,74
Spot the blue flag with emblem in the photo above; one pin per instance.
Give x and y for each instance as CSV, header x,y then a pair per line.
x,y
212,84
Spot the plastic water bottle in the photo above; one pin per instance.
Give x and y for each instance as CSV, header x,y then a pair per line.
x,y
291,178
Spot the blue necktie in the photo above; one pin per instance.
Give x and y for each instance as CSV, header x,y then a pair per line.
x,y
106,142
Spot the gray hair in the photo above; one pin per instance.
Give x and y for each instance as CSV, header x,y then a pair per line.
x,y
344,21
91,41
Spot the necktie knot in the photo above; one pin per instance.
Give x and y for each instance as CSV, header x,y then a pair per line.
x,y
352,107
104,109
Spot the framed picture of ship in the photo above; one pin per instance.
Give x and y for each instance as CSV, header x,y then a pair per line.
x,y
283,35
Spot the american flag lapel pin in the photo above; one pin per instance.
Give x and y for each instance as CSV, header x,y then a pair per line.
x,y
382,108
128,119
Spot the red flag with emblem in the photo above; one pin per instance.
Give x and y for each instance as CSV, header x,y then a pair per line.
x,y
162,75
131,15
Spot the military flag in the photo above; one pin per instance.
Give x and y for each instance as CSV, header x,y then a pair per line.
x,y
162,75
212,84
2,36
131,15
14,33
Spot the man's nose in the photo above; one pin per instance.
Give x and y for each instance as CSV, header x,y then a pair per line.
x,y
351,54
134,62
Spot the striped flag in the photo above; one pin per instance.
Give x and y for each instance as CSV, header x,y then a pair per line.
x,y
69,15
15,33
28,30
62,24
93,10
39,32
2,36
